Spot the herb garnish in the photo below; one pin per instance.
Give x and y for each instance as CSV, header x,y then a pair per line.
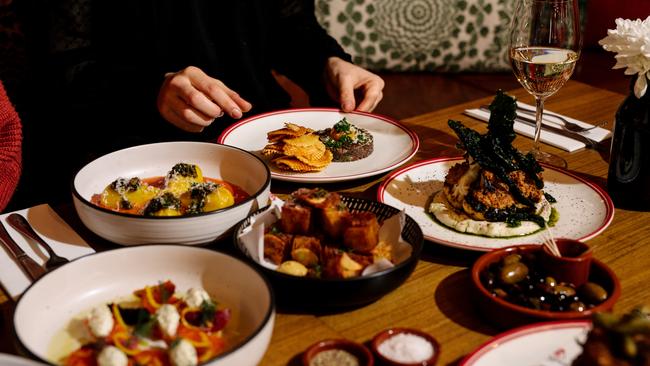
x,y
144,325
342,125
208,309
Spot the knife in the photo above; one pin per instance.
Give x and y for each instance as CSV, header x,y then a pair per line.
x,y
31,268
589,143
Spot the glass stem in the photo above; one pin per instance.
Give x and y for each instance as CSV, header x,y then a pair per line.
x,y
539,102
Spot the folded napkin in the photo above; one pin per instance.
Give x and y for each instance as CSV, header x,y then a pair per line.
x,y
56,232
560,141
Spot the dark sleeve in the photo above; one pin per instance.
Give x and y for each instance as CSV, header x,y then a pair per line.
x,y
302,46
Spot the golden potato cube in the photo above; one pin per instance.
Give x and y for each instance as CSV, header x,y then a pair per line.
x,y
293,268
306,250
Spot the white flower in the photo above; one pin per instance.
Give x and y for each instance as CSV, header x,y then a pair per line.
x,y
631,41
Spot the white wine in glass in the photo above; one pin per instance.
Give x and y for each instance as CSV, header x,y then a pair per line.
x,y
544,48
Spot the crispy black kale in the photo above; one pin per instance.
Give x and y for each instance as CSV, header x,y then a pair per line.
x,y
184,170
493,151
166,200
123,185
198,194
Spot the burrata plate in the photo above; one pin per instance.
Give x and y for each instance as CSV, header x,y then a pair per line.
x,y
584,208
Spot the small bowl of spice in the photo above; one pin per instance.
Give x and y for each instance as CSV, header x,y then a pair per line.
x,y
405,347
337,352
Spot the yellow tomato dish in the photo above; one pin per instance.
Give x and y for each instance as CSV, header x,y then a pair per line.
x,y
183,191
155,327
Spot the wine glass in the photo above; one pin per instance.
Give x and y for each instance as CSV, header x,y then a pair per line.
x,y
544,47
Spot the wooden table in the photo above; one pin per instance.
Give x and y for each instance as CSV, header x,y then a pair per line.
x,y
437,296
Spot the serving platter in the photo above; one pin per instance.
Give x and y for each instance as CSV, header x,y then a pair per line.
x,y
585,209
543,344
394,144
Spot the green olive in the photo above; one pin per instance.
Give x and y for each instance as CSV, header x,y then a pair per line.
x,y
577,306
564,290
499,292
512,258
550,281
593,292
513,273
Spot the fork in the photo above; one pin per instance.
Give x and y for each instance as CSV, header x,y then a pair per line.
x,y
20,223
566,124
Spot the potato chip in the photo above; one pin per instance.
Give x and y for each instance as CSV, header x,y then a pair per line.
x,y
290,130
324,161
311,152
304,140
273,149
299,149
290,163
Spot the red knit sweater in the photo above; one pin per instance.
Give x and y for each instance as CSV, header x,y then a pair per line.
x,y
10,148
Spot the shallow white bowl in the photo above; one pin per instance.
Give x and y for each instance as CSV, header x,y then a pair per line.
x,y
52,301
216,161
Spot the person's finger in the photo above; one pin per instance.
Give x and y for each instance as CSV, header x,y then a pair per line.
x,y
188,113
371,97
346,94
195,98
228,100
179,122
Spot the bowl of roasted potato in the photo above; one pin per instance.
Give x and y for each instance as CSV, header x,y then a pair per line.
x,y
321,249
170,193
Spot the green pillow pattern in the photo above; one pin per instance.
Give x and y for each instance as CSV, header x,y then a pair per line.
x,y
421,35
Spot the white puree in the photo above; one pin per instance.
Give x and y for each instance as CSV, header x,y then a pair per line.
x,y
459,221
406,348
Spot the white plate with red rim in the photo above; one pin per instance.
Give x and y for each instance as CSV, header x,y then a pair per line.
x,y
542,344
394,144
585,209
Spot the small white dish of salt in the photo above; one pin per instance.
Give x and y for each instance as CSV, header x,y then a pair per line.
x,y
405,347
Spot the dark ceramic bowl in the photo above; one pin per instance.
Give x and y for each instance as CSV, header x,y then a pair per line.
x,y
358,350
382,336
506,314
305,292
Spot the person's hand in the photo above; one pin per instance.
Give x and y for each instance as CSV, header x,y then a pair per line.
x,y
346,81
191,100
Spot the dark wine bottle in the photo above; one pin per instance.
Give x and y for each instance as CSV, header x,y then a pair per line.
x,y
628,181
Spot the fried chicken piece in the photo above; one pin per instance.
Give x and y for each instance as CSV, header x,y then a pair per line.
x,y
333,219
276,246
296,218
361,232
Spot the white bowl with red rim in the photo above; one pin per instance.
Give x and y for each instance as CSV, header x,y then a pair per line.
x,y
49,304
227,163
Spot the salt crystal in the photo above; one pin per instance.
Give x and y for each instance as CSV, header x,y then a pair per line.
x,y
406,348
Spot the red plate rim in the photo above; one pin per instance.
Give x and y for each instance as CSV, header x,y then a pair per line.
x,y
609,205
519,332
415,142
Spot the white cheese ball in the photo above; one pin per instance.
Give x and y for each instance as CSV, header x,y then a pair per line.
x,y
112,356
100,321
168,319
183,354
195,297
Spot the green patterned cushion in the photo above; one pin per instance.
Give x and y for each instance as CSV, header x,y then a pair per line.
x,y
416,35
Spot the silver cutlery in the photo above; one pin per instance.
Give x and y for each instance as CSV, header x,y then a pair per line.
x,y
589,143
31,268
20,223
566,124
